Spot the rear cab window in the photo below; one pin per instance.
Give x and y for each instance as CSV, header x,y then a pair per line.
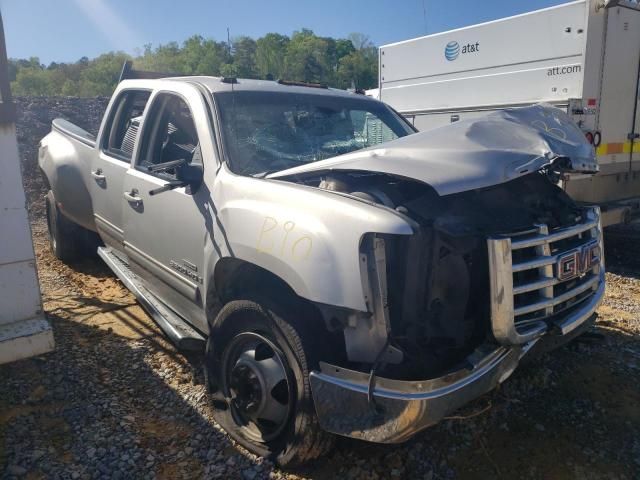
x,y
123,124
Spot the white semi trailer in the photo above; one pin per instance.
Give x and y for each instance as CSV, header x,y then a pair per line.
x,y
24,330
583,57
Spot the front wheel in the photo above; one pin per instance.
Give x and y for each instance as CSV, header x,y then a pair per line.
x,y
261,360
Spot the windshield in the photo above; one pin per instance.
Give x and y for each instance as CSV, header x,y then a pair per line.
x,y
265,132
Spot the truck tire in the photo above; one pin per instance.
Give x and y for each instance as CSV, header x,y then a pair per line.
x,y
68,240
261,361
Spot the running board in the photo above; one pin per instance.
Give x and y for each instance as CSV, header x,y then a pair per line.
x,y
183,335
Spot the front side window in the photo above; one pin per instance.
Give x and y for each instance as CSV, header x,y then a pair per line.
x,y
124,124
169,135
269,131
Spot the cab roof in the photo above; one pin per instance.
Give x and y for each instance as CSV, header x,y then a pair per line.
x,y
220,84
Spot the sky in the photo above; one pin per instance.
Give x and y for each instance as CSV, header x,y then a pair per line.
x,y
66,30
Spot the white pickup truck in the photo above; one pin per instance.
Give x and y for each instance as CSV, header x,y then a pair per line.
x,y
343,272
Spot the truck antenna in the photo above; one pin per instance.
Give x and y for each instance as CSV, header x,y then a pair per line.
x,y
424,14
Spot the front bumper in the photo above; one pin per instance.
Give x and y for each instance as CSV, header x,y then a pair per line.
x,y
402,408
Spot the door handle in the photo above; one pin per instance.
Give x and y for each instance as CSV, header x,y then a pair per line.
x,y
97,174
133,198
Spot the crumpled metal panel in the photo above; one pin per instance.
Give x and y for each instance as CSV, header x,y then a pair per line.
x,y
402,408
475,153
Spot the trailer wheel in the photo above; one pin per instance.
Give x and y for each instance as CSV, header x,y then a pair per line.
x,y
66,239
261,360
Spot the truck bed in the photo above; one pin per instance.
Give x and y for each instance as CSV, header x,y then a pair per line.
x,y
65,157
73,131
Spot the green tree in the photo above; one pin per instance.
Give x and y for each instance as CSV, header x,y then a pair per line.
x,y
203,56
360,66
163,58
31,81
343,48
336,50
101,75
306,58
244,57
270,55
70,88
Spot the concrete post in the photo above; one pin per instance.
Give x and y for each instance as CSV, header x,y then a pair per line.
x,y
24,331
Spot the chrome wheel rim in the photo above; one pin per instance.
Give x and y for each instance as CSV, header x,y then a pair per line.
x,y
257,386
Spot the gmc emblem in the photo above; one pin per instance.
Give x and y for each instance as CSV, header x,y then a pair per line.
x,y
577,262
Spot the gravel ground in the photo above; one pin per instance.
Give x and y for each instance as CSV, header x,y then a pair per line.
x,y
116,400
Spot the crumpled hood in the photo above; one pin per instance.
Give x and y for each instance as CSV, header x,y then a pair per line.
x,y
476,153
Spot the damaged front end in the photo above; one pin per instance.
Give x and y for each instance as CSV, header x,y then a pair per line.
x,y
485,277
488,274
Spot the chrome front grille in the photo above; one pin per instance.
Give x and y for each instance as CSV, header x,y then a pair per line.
x,y
539,276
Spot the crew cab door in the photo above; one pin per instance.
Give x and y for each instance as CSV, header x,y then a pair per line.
x,y
165,233
109,165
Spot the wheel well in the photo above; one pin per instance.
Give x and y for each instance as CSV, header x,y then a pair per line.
x,y
235,279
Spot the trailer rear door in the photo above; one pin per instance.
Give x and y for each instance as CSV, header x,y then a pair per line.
x,y
635,142
619,114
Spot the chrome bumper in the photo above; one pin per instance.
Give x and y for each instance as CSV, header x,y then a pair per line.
x,y
403,408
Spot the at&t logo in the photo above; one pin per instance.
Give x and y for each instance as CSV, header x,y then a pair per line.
x,y
453,49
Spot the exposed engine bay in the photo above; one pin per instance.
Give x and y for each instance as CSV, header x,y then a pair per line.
x,y
438,279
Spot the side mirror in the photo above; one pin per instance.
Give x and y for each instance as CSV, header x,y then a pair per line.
x,y
187,175
190,174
